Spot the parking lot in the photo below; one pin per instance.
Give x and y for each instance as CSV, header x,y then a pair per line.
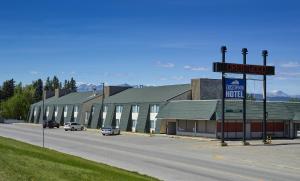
x,y
171,158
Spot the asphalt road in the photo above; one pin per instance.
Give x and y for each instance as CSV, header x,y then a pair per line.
x,y
171,158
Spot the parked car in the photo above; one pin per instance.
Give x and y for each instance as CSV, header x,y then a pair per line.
x,y
110,131
73,126
51,124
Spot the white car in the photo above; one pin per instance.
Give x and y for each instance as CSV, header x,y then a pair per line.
x,y
73,126
110,131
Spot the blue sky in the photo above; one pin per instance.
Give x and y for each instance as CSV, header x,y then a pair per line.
x,y
152,42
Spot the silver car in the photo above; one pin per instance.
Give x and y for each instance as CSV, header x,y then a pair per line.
x,y
73,126
110,131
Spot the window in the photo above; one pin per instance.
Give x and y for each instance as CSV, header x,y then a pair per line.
x,y
119,109
55,111
75,111
35,110
181,125
117,123
93,110
105,109
154,109
66,111
134,123
152,124
86,120
135,109
47,111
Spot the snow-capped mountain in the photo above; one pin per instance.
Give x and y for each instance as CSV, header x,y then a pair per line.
x,y
82,87
88,87
277,93
276,96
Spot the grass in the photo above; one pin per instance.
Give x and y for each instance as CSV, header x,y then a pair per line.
x,y
21,161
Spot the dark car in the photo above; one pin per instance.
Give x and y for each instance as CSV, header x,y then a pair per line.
x,y
51,124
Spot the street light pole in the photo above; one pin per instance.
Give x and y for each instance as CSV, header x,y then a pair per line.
x,y
43,117
102,103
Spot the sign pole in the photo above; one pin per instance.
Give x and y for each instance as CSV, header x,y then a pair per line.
x,y
236,89
265,54
244,52
223,51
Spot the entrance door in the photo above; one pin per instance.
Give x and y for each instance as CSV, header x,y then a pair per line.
x,y
286,129
297,130
171,128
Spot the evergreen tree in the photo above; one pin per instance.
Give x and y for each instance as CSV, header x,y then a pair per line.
x,y
48,85
55,83
73,87
8,89
1,94
66,85
38,90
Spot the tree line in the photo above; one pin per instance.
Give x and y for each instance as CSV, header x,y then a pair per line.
x,y
15,99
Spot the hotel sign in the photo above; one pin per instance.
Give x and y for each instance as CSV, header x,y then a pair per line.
x,y
243,68
234,88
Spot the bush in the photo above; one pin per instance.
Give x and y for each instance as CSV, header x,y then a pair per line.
x,y
17,107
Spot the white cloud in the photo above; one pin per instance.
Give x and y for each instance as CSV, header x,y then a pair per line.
x,y
33,72
290,64
165,65
287,76
195,68
178,78
292,74
163,78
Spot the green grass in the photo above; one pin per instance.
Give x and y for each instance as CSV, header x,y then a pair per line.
x,y
21,161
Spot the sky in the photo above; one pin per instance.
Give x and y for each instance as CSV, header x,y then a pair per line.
x,y
150,42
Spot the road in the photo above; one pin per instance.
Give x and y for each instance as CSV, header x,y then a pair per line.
x,y
171,158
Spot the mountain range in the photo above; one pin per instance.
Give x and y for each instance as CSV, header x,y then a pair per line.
x,y
276,95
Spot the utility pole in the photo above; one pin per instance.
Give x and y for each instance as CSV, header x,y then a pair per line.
x,y
223,51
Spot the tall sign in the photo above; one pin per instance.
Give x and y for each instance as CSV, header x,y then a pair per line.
x,y
237,88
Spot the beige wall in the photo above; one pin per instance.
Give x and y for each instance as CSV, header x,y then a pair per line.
x,y
205,89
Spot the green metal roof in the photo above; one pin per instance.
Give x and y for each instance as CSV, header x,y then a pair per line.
x,y
293,106
47,101
297,116
275,110
72,98
148,94
189,110
204,109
